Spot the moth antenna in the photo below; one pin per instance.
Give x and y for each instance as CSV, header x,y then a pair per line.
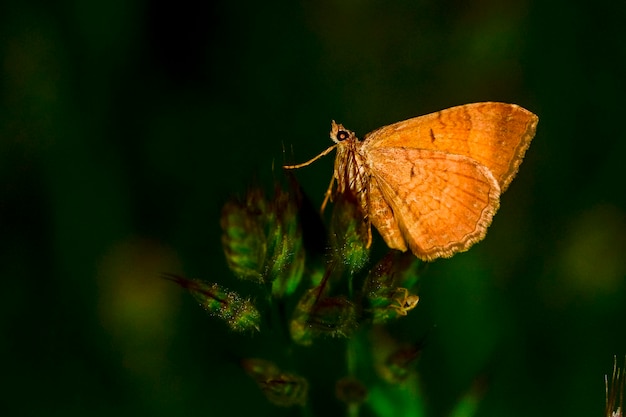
x,y
310,161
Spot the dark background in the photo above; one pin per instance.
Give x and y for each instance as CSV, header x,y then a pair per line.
x,y
124,125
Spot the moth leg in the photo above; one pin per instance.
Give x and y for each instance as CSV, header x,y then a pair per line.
x,y
369,234
329,194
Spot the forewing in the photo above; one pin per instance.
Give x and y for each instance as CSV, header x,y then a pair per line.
x,y
442,203
495,135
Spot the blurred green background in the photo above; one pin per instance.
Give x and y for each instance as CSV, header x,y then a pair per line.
x,y
124,125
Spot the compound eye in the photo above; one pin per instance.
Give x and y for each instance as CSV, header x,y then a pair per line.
x,y
342,135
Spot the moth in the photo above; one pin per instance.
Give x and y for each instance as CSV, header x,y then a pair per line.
x,y
432,184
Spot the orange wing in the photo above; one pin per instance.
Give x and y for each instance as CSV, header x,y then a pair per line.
x,y
495,135
440,203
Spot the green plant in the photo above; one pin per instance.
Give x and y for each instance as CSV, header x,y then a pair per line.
x,y
615,391
308,294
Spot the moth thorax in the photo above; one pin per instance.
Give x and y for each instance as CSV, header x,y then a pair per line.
x,y
351,172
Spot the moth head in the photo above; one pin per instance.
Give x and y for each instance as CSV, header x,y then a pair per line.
x,y
338,133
